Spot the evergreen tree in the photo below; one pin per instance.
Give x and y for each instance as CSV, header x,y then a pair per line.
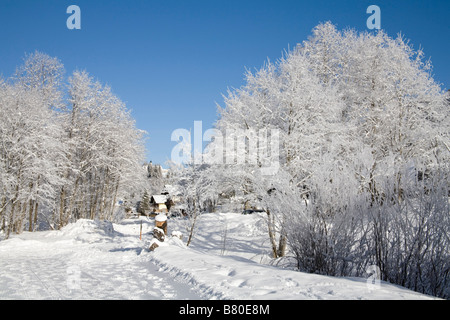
x,y
144,204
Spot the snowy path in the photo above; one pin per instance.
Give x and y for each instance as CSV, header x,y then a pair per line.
x,y
91,260
75,265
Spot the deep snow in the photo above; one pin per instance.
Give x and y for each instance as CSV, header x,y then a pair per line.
x,y
228,259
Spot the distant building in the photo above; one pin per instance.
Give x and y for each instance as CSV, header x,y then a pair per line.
x,y
160,203
154,170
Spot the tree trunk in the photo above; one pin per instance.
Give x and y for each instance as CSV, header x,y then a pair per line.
x,y
72,200
93,205
282,245
62,199
193,220
272,237
114,199
30,216
2,210
36,206
11,220
102,197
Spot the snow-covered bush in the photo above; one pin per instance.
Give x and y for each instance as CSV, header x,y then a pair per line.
x,y
409,237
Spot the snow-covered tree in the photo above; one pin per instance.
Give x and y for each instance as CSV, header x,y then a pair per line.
x,y
60,159
363,131
29,146
104,150
45,74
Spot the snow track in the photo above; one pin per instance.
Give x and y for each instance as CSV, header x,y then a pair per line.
x,y
97,263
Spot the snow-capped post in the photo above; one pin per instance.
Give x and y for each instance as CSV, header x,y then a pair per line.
x,y
161,222
159,231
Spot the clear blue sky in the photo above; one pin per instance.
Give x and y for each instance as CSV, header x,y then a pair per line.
x,y
171,60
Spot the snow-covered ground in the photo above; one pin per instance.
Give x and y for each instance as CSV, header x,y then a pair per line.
x,y
228,259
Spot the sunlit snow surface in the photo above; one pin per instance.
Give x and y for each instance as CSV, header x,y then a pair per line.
x,y
228,259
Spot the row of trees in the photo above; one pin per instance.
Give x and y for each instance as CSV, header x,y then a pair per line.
x,y
363,164
67,150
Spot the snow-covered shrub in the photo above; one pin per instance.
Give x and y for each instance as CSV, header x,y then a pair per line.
x,y
410,242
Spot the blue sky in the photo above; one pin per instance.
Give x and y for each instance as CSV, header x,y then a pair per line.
x,y
172,60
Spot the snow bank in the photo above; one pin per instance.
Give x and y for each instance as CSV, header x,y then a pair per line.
x,y
223,263
233,277
89,230
89,226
